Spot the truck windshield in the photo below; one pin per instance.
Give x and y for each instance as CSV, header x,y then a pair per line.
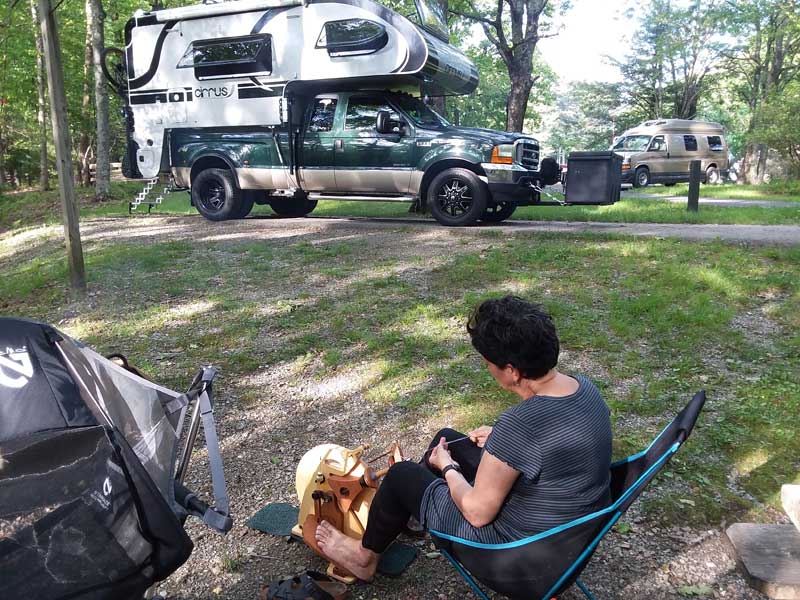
x,y
632,143
420,112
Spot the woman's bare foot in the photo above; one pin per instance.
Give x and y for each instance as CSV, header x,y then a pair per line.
x,y
346,552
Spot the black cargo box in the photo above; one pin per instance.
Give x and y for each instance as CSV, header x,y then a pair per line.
x,y
593,177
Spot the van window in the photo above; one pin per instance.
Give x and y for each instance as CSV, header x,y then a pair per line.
x,y
322,116
362,112
632,143
715,143
229,57
658,144
351,37
690,143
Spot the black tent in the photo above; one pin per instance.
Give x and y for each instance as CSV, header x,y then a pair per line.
x,y
92,503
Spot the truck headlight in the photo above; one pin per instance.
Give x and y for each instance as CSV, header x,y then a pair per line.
x,y
625,167
503,154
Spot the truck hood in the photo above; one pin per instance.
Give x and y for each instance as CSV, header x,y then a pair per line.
x,y
483,136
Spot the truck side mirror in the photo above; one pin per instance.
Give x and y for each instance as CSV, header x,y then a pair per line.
x,y
389,122
383,122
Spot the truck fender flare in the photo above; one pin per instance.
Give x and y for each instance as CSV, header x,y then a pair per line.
x,y
211,160
433,169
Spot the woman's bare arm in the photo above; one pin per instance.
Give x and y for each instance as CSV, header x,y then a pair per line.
x,y
479,503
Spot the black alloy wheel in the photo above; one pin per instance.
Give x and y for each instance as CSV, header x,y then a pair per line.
x,y
215,195
495,213
457,197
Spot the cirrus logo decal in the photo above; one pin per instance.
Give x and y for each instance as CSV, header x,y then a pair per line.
x,y
212,92
16,368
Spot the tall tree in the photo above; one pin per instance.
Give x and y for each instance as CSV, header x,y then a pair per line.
x,y
514,33
95,19
766,61
668,66
41,100
82,173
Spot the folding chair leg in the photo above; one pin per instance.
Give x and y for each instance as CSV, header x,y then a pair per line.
x,y
467,577
584,589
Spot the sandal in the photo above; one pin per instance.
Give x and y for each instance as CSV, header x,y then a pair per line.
x,y
305,586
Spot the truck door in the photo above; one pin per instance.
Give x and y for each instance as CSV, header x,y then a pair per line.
x,y
368,161
317,172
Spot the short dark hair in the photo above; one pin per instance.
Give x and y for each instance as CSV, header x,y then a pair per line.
x,y
511,331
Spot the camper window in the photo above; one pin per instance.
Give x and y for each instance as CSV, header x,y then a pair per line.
x,y
322,117
363,111
690,142
229,57
350,37
715,143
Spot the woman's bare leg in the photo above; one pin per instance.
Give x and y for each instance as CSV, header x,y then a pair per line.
x,y
346,551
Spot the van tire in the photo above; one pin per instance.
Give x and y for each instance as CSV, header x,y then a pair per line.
x,y
457,197
495,213
641,178
712,176
215,195
292,206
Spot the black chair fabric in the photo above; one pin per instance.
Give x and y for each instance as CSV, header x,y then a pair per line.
x,y
546,565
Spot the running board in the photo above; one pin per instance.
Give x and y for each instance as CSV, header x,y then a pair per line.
x,y
314,196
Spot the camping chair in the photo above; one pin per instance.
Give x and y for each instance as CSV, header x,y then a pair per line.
x,y
547,564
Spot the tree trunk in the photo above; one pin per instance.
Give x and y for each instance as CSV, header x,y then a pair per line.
x,y
83,175
41,88
517,103
95,18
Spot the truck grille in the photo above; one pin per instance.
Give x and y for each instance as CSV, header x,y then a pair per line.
x,y
528,154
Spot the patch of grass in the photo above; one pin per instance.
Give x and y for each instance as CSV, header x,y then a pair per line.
x,y
655,320
778,190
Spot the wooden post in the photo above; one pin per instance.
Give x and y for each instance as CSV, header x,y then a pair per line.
x,y
58,112
694,186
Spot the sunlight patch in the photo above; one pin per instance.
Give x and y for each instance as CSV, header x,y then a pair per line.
x,y
752,461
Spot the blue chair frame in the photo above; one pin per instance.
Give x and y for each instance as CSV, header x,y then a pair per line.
x,y
629,477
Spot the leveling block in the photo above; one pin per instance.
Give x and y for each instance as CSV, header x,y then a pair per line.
x,y
278,518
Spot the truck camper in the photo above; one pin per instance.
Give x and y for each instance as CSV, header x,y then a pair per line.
x,y
284,102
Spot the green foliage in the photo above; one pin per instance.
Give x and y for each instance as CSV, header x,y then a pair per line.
x,y
779,122
486,107
589,115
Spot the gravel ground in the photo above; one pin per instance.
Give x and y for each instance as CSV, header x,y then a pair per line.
x,y
262,444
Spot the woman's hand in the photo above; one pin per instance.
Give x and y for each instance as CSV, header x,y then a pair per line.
x,y
480,435
440,455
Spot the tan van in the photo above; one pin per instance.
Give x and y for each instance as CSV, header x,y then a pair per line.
x,y
660,151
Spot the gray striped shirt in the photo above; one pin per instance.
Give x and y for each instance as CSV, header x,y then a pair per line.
x,y
562,449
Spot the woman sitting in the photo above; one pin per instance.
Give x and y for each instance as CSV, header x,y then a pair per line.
x,y
545,462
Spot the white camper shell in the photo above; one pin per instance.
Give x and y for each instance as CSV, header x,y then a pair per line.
x,y
233,64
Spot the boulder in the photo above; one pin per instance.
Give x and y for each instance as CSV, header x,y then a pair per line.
x,y
790,497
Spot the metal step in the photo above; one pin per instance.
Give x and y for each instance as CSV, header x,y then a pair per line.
x,y
317,196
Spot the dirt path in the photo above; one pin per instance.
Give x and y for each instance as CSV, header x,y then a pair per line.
x,y
262,441
258,227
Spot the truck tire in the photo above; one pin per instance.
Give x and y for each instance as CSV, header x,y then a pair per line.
x,y
495,213
641,178
215,195
457,197
246,206
297,206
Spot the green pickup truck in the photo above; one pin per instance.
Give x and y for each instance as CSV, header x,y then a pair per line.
x,y
361,145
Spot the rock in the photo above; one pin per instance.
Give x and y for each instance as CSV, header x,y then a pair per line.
x,y
790,498
769,556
